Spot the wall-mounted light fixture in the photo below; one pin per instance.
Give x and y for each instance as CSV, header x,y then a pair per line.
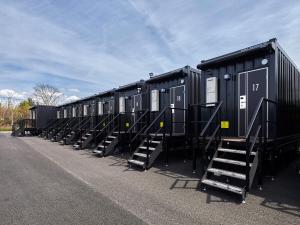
x,y
139,90
151,75
227,76
163,90
264,61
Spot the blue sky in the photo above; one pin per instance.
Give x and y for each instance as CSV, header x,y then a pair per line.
x,y
84,47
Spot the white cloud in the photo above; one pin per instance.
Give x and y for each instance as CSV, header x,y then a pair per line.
x,y
70,98
73,90
9,93
119,42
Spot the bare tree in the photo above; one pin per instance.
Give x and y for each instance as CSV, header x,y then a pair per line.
x,y
45,94
10,106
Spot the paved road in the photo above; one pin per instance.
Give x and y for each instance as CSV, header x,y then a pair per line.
x,y
35,191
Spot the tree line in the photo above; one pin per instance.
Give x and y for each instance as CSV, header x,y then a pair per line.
x,y
10,111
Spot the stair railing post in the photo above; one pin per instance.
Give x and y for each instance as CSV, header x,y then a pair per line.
x,y
247,164
260,148
194,134
147,159
165,148
171,132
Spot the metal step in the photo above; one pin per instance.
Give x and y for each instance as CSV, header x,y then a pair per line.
x,y
227,173
143,155
230,161
98,152
88,134
223,186
107,142
84,138
111,136
136,162
100,146
155,142
76,146
145,148
237,151
117,132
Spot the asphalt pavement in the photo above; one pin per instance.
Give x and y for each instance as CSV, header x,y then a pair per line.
x,y
34,190
42,183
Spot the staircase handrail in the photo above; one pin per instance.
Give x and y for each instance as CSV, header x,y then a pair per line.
x,y
85,122
260,130
110,122
102,121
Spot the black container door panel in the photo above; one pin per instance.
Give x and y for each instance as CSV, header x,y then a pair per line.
x,y
242,95
177,101
111,106
252,87
137,107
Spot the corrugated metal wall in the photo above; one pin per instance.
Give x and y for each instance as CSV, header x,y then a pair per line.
x,y
288,95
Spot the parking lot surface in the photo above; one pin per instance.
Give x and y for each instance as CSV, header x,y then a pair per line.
x,y
46,183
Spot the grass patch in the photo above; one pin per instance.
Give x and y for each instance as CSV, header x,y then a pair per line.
x,y
5,128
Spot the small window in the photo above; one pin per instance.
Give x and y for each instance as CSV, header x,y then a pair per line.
x,y
65,113
100,108
122,105
74,111
85,110
33,115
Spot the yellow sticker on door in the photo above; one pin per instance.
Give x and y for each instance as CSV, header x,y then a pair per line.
x,y
224,124
127,124
161,124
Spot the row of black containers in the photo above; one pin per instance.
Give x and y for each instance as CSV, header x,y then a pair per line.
x,y
234,97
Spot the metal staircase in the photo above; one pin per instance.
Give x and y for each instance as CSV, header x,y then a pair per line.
x,y
108,145
49,126
229,167
236,161
111,140
18,128
60,131
89,136
155,139
76,131
65,130
145,155
56,128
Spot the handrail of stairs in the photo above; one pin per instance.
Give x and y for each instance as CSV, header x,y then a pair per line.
x,y
78,124
57,123
69,125
130,129
50,124
88,120
161,127
216,114
108,124
261,131
62,124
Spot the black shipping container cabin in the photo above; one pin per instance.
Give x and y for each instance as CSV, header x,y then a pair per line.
x,y
130,101
88,107
176,89
107,104
42,116
101,109
170,95
257,92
